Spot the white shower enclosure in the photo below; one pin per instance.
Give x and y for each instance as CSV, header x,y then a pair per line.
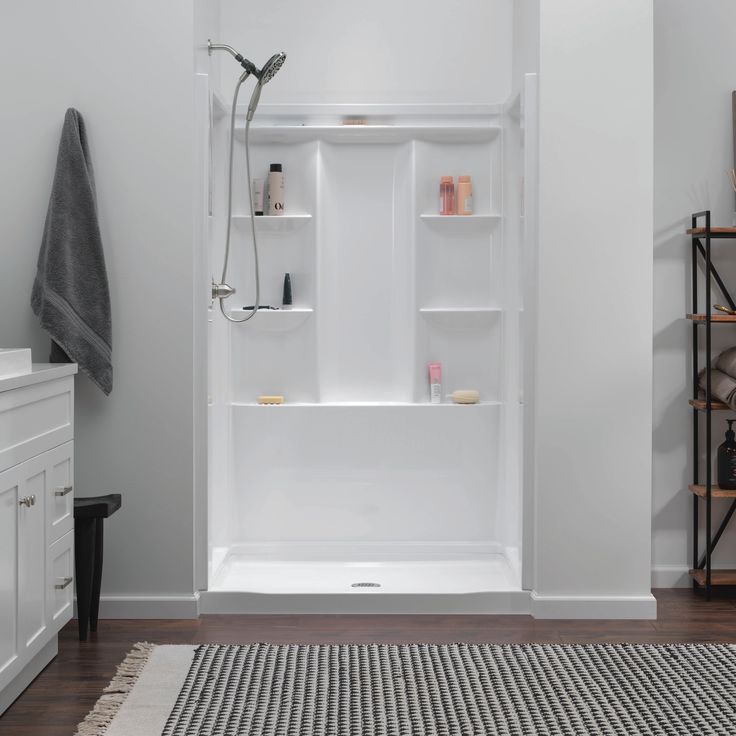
x,y
357,494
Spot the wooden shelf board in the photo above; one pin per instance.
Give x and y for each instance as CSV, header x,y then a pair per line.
x,y
715,491
700,405
719,232
713,317
717,577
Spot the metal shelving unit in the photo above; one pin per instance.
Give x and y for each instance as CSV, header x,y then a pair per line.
x,y
702,573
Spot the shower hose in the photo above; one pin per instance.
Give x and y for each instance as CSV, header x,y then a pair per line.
x,y
223,280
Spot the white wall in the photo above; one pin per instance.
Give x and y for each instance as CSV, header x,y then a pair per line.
x,y
695,73
593,389
413,51
128,68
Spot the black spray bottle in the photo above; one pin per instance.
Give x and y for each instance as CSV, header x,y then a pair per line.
x,y
286,299
727,459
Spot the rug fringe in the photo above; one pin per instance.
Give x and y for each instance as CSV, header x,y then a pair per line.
x,y
98,720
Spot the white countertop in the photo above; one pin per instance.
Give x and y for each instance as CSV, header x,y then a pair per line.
x,y
41,372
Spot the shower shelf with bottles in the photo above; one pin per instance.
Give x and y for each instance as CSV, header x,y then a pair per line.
x,y
369,209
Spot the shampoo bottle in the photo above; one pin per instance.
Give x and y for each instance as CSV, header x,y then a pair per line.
x,y
727,459
258,197
276,190
464,196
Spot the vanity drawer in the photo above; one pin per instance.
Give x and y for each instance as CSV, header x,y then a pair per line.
x,y
34,419
60,582
59,464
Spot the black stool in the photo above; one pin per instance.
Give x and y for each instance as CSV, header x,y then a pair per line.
x,y
89,514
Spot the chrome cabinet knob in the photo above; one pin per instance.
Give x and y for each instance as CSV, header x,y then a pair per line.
x,y
27,501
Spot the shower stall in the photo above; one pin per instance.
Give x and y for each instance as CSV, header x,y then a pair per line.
x,y
357,493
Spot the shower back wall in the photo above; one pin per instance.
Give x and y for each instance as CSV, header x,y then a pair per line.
x,y
375,53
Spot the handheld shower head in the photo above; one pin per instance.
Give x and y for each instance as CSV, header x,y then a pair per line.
x,y
270,68
265,75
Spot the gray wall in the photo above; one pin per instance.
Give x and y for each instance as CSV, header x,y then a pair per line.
x,y
128,67
695,73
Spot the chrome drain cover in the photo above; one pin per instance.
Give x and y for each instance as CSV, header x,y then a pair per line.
x,y
365,585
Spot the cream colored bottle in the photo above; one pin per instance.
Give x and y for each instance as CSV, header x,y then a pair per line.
x,y
464,196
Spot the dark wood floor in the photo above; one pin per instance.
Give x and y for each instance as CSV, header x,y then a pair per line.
x,y
68,688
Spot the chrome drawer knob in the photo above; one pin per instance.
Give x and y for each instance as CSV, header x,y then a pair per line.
x,y
27,501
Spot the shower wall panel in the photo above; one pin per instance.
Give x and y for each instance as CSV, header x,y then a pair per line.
x,y
366,272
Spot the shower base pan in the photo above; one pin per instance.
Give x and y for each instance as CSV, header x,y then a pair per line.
x,y
370,578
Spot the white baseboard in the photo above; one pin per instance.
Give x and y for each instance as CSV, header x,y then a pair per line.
x,y
580,607
149,606
542,606
670,576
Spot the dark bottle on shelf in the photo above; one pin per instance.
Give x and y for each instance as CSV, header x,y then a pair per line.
x,y
727,459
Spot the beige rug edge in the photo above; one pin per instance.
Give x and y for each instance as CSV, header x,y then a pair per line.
x,y
140,697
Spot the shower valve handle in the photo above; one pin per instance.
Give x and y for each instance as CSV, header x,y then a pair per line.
x,y
221,291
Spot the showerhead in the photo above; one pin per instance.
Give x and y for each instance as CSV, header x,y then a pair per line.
x,y
265,75
270,68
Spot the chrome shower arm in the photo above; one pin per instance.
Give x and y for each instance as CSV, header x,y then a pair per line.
x,y
221,47
248,65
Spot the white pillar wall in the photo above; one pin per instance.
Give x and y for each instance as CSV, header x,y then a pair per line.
x,y
593,392
128,67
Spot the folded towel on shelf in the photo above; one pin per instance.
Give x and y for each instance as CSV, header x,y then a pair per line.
x,y
722,386
70,293
726,362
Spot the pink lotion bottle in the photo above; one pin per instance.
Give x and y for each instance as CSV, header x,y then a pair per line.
x,y
447,196
435,383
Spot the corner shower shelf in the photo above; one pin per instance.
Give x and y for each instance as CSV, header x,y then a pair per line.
x,y
275,223
455,220
371,133
461,316
276,320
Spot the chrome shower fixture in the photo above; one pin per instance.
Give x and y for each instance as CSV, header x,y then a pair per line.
x,y
265,75
248,65
222,290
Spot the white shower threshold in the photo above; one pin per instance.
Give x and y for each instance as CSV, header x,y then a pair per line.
x,y
365,578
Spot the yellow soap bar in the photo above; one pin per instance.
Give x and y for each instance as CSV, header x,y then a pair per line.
x,y
270,399
466,396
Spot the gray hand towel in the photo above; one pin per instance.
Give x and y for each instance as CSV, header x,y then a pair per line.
x,y
722,386
726,362
70,294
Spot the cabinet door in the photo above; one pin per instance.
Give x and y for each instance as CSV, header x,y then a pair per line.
x,y
34,482
60,491
9,664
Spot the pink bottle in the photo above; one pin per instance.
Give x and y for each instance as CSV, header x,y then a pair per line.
x,y
447,196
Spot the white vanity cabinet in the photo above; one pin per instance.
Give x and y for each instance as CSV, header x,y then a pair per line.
x,y
36,521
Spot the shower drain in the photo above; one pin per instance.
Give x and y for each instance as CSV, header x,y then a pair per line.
x,y
365,585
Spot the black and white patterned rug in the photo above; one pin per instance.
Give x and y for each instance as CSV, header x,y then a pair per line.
x,y
458,689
